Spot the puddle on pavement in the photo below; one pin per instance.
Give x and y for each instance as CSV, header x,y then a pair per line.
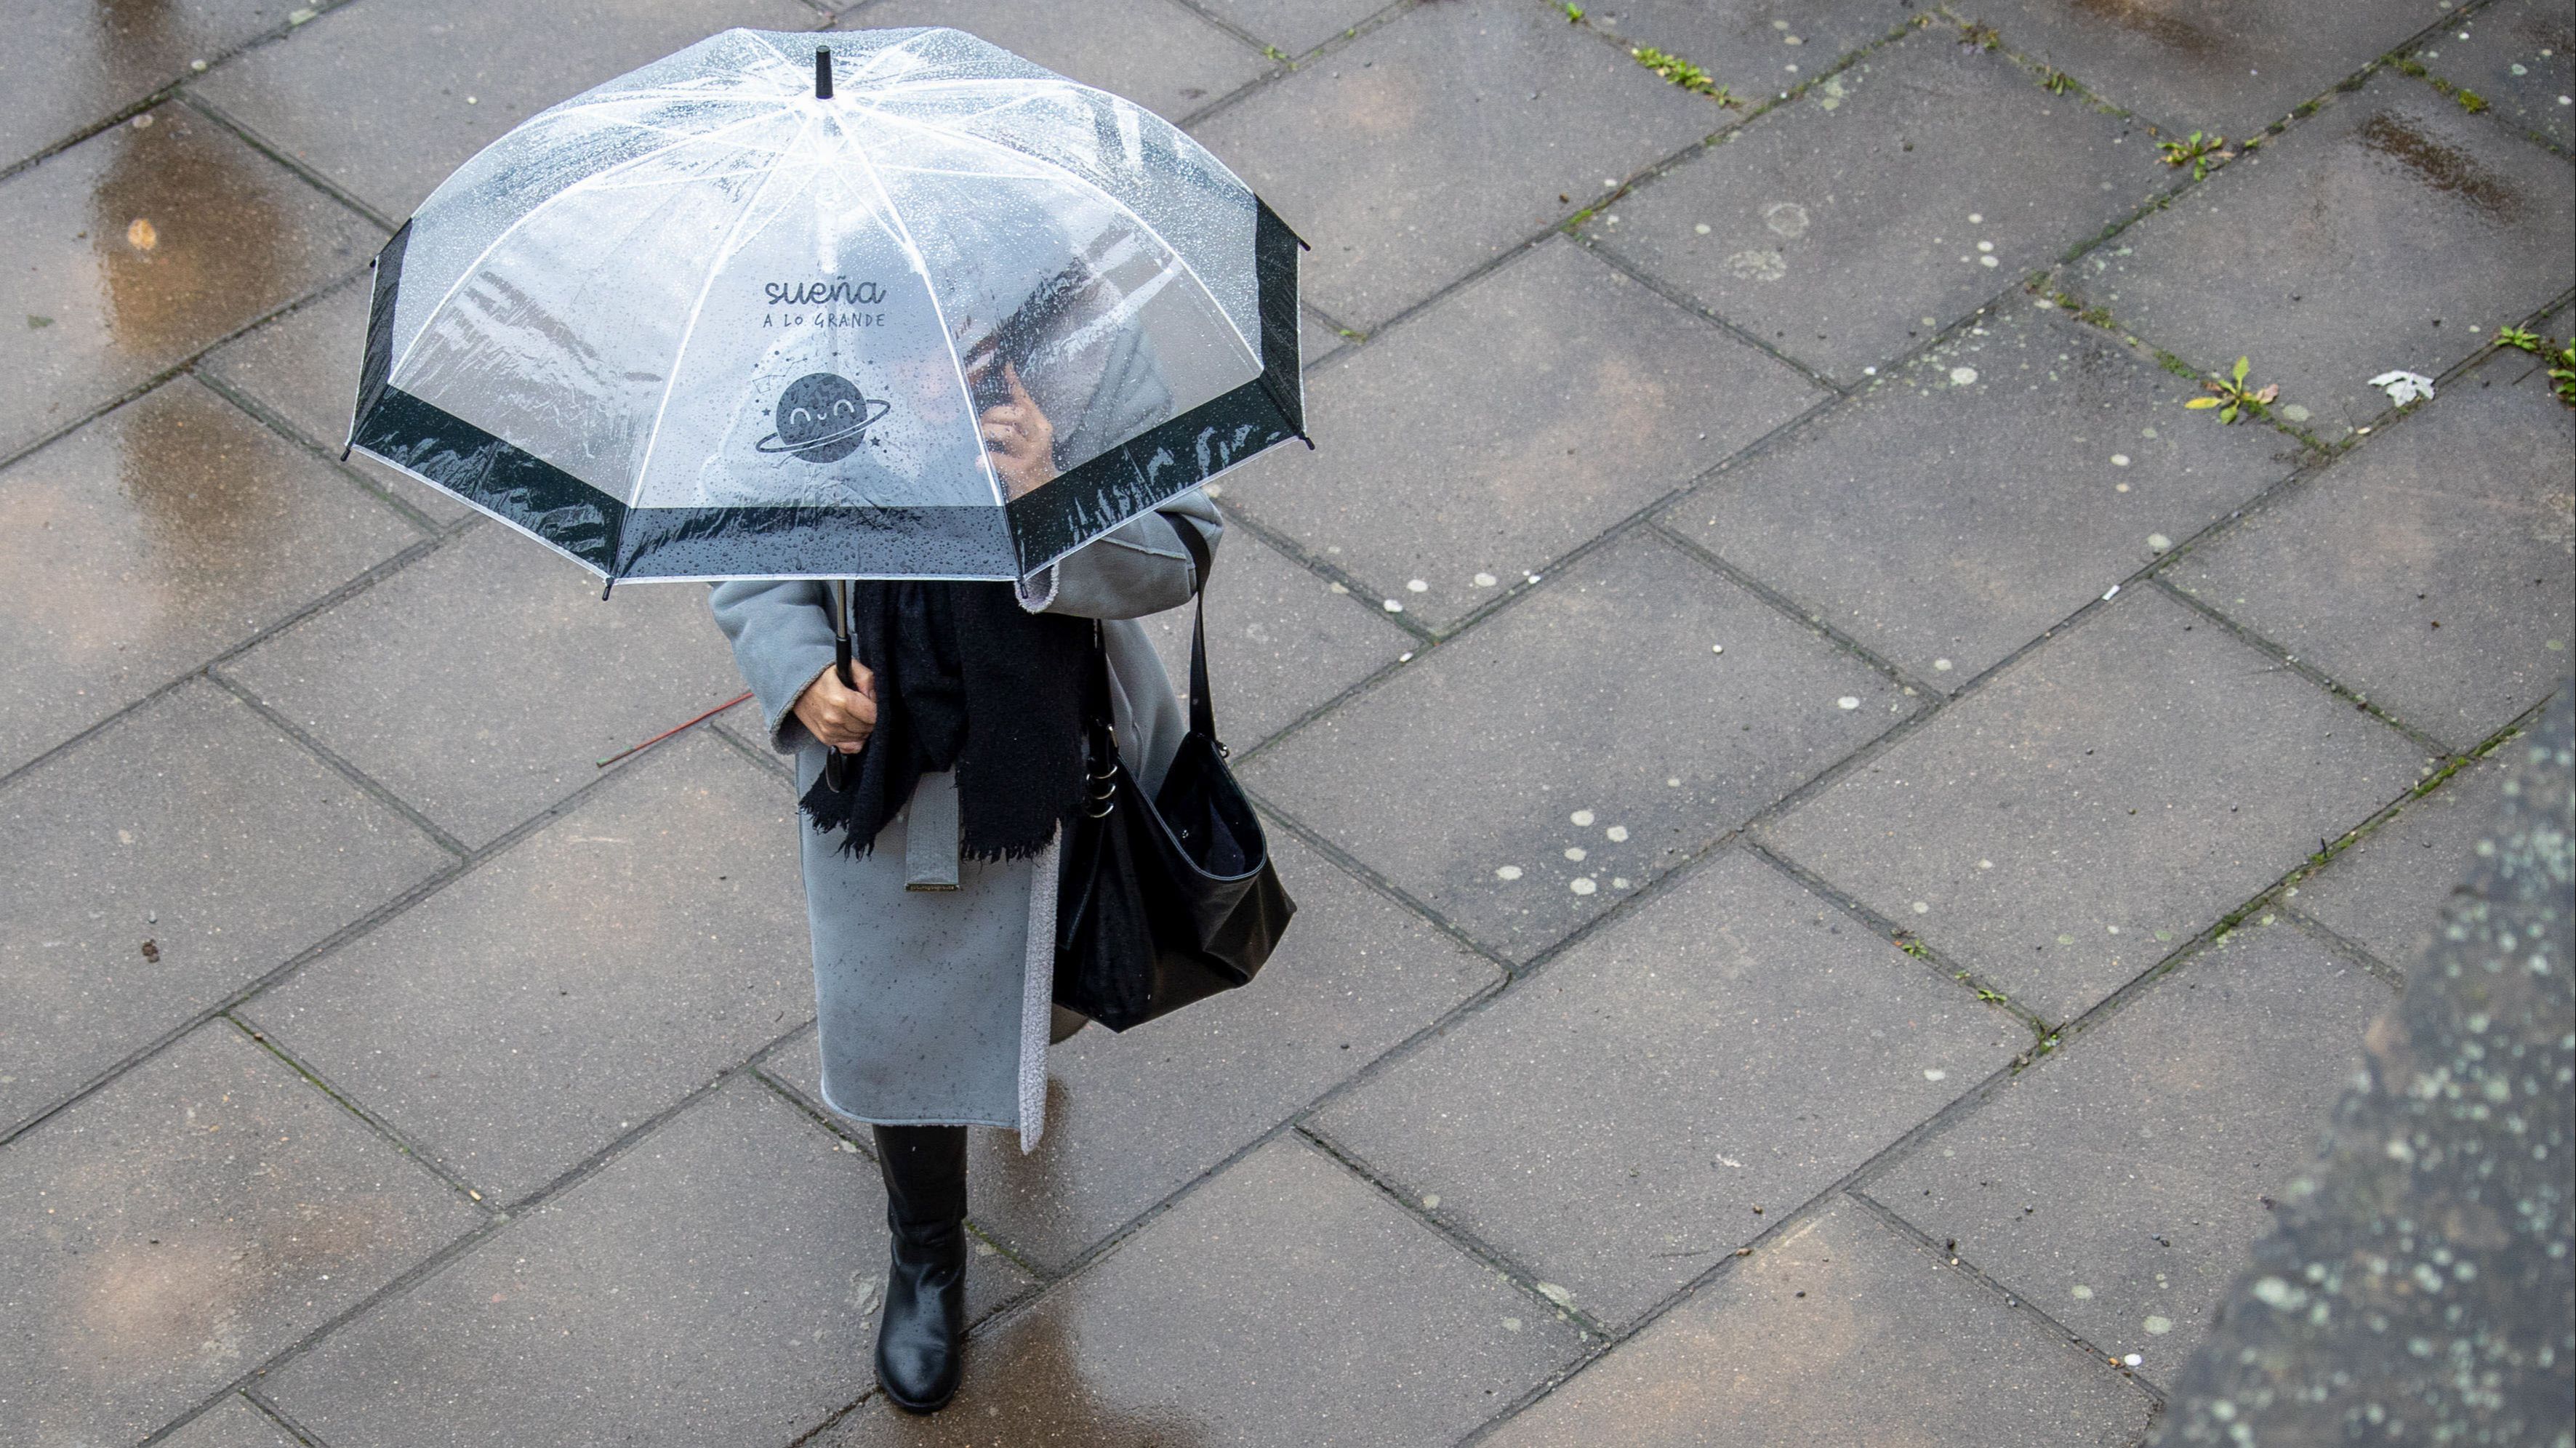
x,y
1024,1387
2442,167
179,229
2154,22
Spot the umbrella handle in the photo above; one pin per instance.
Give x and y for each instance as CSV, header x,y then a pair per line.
x,y
836,765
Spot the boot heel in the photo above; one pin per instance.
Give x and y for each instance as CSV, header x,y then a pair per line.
x,y
918,1360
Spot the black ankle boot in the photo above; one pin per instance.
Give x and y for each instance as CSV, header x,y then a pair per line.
x,y
925,1304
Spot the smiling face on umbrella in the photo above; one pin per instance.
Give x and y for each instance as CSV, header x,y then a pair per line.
x,y
823,418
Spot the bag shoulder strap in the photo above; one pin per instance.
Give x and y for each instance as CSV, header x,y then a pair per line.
x,y
1202,709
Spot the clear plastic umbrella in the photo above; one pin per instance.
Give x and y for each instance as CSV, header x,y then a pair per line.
x,y
909,307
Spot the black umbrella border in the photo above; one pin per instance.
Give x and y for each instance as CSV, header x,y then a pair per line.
x,y
603,534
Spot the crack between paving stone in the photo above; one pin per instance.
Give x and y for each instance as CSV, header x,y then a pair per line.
x,y
293,166
265,1038
2284,659
224,387
366,783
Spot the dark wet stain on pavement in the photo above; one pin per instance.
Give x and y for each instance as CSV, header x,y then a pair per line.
x,y
2155,22
2443,168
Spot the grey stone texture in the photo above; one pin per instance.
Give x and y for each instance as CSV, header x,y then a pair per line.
x,y
71,65
1996,484
2227,68
1644,1106
139,248
587,977
1295,26
152,876
2286,255
2518,56
1176,1339
1560,758
231,1423
1920,182
153,540
2433,1231
715,1284
2386,891
383,101
1436,108
169,1233
1157,53
1465,468
2445,595
1838,1331
1755,48
2073,822
487,681
2116,1184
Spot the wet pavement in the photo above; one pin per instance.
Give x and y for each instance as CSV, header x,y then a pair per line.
x,y
1848,842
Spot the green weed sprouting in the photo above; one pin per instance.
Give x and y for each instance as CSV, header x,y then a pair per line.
x,y
1682,73
2197,151
2232,397
1573,14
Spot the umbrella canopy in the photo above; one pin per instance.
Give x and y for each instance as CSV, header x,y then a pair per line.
x,y
743,312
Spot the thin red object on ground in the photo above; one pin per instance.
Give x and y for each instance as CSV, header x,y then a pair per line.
x,y
674,729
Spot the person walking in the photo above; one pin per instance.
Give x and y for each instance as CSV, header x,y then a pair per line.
x,y
932,905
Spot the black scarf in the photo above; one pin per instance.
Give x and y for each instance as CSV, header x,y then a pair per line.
x,y
968,680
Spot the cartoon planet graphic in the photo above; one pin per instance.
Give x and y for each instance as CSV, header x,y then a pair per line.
x,y
823,418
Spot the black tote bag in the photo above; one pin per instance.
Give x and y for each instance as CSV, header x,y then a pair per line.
x,y
1165,901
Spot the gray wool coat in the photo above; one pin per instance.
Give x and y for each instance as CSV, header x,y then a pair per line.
x,y
932,1006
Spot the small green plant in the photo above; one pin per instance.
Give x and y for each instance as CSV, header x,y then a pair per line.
x,y
2056,82
2528,341
2471,101
1913,947
2232,397
1980,37
2198,151
1275,53
1573,14
1992,997
1674,69
2562,373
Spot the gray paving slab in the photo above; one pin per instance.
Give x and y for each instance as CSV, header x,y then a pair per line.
x,y
2272,258
232,1423
1133,1117
1436,109
1915,185
143,246
72,64
386,100
575,984
2445,595
486,681
1842,1331
302,370
1755,48
184,852
1294,26
1157,53
1280,641
1285,1302
2117,1184
715,1284
2098,803
1983,491
170,1233
1572,749
1464,466
2234,69
153,539
2520,58
2385,891
1662,1093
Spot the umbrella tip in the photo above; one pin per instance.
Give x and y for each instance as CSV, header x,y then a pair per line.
x,y
822,73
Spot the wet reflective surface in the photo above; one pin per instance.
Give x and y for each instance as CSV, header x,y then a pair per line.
x,y
68,63
142,246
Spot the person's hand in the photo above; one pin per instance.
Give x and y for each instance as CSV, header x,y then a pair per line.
x,y
1020,437
842,718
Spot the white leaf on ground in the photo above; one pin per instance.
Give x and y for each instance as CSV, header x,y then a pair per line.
x,y
2403,387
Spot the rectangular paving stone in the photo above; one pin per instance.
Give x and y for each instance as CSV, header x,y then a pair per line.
x,y
1841,1332
71,64
1280,641
1133,1117
1568,751
1469,120
1156,53
1665,1091
1294,26
197,1216
2234,68
2386,891
573,985
2099,802
2519,56
143,246
302,369
2444,594
2117,1184
2269,260
486,681
1285,1302
1902,194
715,1284
153,539
232,1423
386,101
1464,463
1983,491
1755,48
160,867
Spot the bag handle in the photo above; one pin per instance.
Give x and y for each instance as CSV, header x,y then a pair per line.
x,y
1202,709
